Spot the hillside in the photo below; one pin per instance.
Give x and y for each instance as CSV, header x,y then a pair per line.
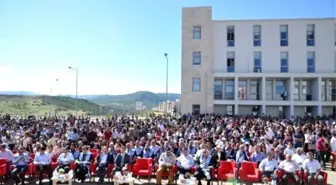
x,y
22,102
127,101
39,105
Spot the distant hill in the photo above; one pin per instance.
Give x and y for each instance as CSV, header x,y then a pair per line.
x,y
149,99
39,105
90,104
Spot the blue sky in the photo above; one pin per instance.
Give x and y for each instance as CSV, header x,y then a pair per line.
x,y
117,46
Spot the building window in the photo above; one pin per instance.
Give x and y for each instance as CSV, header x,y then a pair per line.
x,y
257,35
242,87
310,35
218,88
196,109
332,90
296,90
335,33
196,87
306,90
230,36
257,62
284,62
196,58
280,89
230,62
269,89
283,35
229,89
335,61
254,90
310,62
197,34
323,90
229,110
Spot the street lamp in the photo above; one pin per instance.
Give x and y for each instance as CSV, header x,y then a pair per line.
x,y
50,99
166,55
76,87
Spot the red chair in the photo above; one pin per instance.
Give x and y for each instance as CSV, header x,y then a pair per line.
x,y
96,151
73,166
324,175
143,167
3,172
93,171
249,172
3,161
54,165
109,171
281,173
227,171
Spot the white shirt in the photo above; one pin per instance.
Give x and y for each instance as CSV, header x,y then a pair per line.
x,y
66,158
333,144
185,161
290,151
299,158
43,159
311,166
268,165
7,154
289,166
167,160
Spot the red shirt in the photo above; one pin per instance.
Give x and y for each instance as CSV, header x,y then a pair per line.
x,y
321,144
107,135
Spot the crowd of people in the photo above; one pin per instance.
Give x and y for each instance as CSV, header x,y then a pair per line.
x,y
194,144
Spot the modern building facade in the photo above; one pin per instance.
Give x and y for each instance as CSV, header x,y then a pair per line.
x,y
273,67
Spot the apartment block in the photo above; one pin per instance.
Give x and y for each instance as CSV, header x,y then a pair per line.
x,y
280,67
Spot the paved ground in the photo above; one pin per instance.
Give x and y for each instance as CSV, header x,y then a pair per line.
x,y
331,181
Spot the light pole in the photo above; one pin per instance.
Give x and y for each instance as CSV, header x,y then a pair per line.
x,y
76,87
50,99
166,107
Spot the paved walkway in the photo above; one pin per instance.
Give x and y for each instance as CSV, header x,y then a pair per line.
x,y
331,181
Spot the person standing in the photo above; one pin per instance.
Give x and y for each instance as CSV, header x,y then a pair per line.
x,y
321,149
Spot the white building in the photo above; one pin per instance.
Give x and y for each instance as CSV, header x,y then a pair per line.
x,y
273,67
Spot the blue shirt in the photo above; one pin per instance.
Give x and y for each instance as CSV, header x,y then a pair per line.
x,y
148,153
17,159
258,156
204,161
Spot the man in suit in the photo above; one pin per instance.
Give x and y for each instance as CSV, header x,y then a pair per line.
x,y
278,156
103,160
203,167
83,165
217,156
121,161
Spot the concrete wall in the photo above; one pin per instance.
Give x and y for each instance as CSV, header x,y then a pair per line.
x,y
270,45
197,17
